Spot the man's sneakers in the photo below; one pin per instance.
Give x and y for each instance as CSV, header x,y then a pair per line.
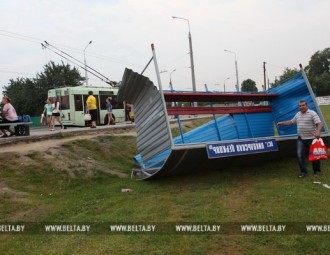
x,y
316,173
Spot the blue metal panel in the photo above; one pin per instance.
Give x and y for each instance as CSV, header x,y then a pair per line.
x,y
285,106
198,134
241,126
227,128
208,131
231,128
156,162
261,124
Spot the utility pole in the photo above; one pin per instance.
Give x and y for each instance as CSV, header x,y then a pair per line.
x,y
267,83
237,82
86,77
191,55
264,75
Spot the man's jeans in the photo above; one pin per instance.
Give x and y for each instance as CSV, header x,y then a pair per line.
x,y
302,149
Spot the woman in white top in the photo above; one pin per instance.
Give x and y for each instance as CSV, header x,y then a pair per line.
x,y
48,111
56,115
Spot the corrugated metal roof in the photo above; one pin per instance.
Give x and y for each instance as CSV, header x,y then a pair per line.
x,y
285,106
153,134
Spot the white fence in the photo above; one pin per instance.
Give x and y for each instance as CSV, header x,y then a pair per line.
x,y
323,100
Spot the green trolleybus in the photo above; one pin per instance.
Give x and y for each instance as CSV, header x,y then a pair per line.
x,y
73,104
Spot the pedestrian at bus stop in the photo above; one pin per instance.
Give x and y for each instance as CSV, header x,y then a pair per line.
x,y
109,109
9,115
47,113
309,127
56,115
129,112
91,108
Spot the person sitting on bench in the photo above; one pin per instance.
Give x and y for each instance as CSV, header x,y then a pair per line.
x,y
8,116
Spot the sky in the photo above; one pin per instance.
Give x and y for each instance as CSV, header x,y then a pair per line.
x,y
282,33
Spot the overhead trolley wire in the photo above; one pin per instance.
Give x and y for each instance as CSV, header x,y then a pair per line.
x,y
77,64
107,80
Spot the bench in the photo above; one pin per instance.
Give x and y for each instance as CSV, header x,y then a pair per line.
x,y
21,128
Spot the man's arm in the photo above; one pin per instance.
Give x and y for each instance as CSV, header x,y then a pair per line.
x,y
284,123
318,130
88,104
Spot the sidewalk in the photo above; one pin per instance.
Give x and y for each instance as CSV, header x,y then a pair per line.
x,y
41,133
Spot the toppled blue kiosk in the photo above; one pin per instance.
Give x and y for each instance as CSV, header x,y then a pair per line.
x,y
240,130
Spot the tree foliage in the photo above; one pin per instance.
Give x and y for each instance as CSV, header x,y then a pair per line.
x,y
318,72
249,85
287,74
56,75
22,93
29,95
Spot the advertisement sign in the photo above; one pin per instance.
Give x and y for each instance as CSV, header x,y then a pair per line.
x,y
227,149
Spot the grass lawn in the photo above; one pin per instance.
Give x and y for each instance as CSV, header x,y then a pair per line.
x,y
80,182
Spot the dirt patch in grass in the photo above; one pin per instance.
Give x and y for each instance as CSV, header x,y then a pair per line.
x,y
44,145
31,215
81,166
52,152
13,194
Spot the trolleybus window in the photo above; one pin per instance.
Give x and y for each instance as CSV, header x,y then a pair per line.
x,y
65,103
114,102
78,103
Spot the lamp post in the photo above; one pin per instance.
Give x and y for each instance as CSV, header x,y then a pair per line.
x,y
86,77
171,86
224,84
237,82
191,55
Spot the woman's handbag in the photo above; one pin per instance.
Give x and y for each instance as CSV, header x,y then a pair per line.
x,y
87,117
317,150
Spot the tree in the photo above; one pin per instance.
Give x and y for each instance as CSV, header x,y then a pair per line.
x,y
249,85
318,72
56,75
287,74
22,94
29,95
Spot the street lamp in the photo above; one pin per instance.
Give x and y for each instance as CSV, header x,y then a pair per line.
x,y
224,84
171,79
191,55
237,83
86,77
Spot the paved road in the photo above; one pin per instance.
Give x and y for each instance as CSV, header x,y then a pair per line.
x,y
40,133
37,133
